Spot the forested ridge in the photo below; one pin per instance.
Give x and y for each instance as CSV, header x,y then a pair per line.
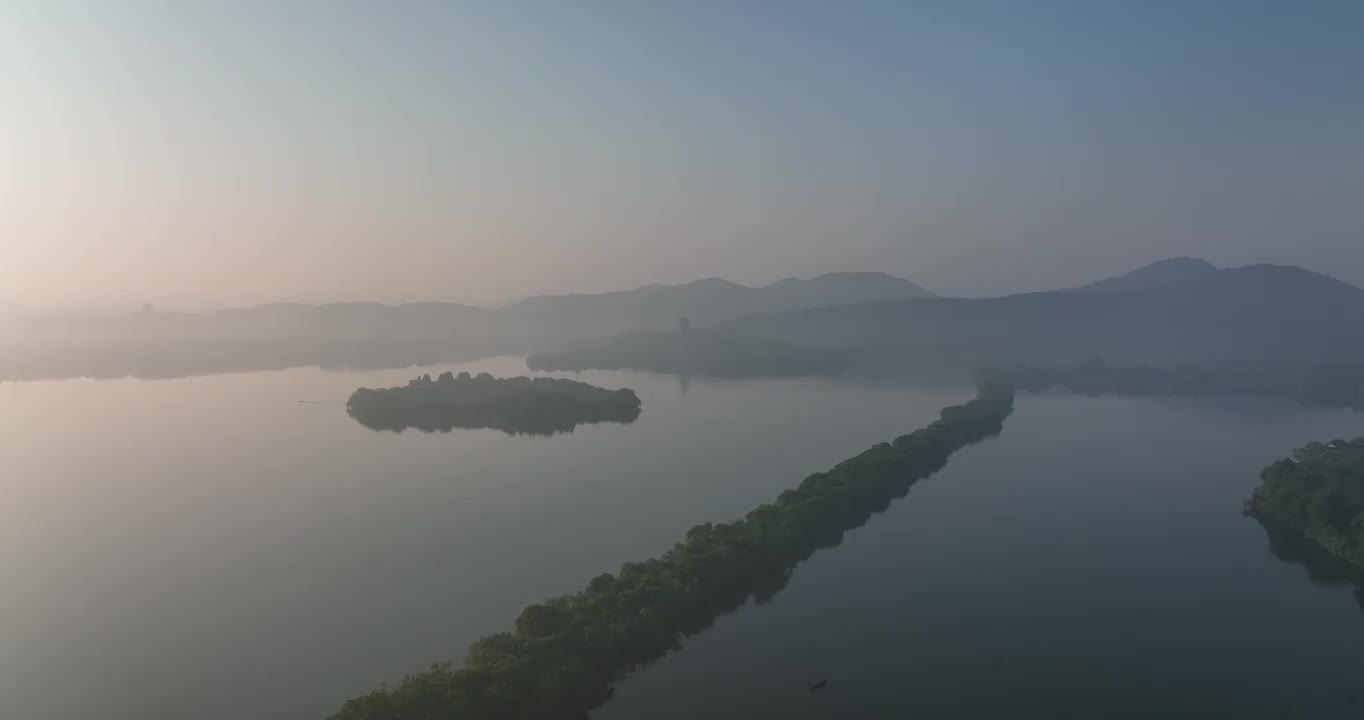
x,y
566,653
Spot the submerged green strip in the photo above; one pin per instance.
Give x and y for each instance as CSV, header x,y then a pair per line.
x,y
567,652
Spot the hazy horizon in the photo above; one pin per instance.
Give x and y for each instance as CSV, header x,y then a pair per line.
x,y
205,156
281,442
110,310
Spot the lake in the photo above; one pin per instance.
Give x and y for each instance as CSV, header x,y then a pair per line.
x,y
214,548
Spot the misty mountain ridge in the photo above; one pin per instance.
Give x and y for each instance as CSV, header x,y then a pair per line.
x,y
656,306
1157,274
704,302
1254,315
1172,311
372,335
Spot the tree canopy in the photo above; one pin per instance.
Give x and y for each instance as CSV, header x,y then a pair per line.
x,y
542,406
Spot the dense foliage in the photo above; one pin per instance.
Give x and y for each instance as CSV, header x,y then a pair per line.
x,y
1318,492
1335,385
706,354
565,653
514,405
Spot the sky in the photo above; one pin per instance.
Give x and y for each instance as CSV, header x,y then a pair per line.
x,y
203,154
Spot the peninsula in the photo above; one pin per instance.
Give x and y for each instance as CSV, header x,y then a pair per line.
x,y
1317,493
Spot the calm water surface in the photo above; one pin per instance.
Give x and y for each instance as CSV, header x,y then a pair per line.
x,y
1090,562
212,548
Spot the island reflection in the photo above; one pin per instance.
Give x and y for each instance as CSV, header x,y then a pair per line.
x,y
1322,568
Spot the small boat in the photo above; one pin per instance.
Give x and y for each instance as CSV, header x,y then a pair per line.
x,y
819,686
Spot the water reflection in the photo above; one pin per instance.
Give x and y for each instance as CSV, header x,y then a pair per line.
x,y
1322,568
512,421
763,583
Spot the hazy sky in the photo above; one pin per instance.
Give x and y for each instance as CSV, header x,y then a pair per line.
x,y
209,153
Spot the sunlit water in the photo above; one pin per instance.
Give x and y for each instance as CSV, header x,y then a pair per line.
x,y
213,548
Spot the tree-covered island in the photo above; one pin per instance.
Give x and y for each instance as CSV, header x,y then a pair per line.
x,y
542,406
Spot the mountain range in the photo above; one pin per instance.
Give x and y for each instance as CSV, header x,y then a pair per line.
x,y
1176,310
367,335
705,303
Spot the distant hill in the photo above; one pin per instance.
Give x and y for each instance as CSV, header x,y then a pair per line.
x,y
374,335
1170,312
1257,315
1157,274
557,318
707,353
